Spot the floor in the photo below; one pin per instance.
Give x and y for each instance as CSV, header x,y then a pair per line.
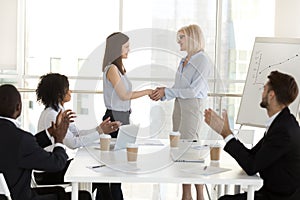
x,y
151,192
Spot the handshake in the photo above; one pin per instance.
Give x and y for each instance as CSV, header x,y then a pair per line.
x,y
157,94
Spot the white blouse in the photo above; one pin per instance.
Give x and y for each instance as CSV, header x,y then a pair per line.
x,y
74,138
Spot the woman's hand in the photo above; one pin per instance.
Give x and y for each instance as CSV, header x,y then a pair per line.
x,y
59,129
158,93
108,127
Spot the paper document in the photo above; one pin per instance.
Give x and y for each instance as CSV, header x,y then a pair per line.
x,y
189,161
205,170
125,167
150,142
200,147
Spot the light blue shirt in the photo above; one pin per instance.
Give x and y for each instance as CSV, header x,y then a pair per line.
x,y
191,81
111,99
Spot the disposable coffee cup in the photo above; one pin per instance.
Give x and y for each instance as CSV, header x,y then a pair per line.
x,y
132,152
215,152
105,142
174,139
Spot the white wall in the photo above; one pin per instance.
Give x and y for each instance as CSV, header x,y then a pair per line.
x,y
287,15
8,34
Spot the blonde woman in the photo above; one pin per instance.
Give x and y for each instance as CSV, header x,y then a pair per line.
x,y
189,90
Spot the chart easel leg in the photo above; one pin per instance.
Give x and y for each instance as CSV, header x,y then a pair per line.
x,y
250,193
74,191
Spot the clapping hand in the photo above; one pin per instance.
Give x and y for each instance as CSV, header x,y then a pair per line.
x,y
59,129
217,123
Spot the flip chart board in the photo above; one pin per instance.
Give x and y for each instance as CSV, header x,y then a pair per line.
x,y
269,54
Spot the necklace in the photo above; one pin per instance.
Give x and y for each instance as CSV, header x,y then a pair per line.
x,y
186,60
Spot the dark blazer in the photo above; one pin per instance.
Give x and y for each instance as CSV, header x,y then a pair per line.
x,y
276,157
20,153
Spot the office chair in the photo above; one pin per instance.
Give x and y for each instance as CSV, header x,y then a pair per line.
x,y
67,187
34,184
4,188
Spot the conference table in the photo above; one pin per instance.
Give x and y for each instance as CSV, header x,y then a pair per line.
x,y
157,162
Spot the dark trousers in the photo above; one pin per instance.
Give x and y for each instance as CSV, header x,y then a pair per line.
x,y
242,196
3,197
45,193
55,192
112,191
58,193
121,116
46,196
51,178
108,191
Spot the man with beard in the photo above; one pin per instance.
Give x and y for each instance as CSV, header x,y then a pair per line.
x,y
276,157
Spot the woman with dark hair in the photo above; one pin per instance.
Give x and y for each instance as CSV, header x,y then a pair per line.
x,y
117,89
53,91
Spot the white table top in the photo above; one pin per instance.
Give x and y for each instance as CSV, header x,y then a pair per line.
x,y
155,164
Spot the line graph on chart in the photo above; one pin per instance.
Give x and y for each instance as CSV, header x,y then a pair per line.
x,y
269,54
261,70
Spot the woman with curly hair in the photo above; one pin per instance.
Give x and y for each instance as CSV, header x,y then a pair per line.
x,y
53,92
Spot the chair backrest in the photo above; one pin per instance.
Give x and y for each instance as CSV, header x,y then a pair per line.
x,y
4,188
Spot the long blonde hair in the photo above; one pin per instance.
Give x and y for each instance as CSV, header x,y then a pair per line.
x,y
195,38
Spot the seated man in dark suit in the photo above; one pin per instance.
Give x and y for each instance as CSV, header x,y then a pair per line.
x,y
21,152
276,157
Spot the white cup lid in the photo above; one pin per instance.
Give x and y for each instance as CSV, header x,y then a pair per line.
x,y
175,133
216,145
105,136
132,145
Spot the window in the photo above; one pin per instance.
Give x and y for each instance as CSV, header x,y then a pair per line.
x,y
242,21
63,34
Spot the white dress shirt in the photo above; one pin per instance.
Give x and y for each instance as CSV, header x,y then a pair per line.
x,y
74,138
270,120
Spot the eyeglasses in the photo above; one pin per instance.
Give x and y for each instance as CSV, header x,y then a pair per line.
x,y
180,37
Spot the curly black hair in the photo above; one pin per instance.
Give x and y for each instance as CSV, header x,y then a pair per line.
x,y
52,89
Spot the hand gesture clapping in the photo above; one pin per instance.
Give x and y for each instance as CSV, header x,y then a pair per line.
x,y
59,129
